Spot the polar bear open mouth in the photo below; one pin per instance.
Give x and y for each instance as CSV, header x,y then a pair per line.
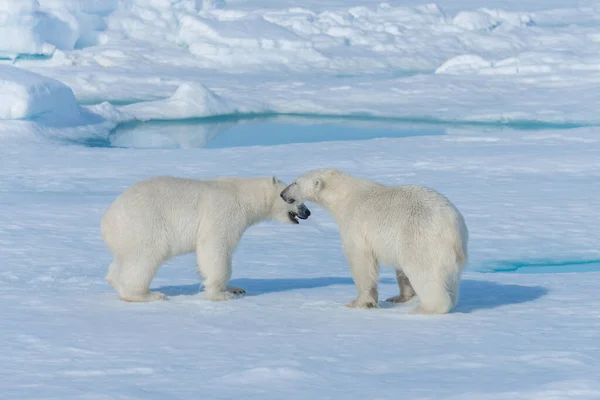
x,y
294,217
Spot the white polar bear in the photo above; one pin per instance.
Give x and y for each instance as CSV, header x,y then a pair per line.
x,y
412,228
163,217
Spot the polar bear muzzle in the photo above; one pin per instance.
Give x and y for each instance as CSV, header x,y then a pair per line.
x,y
286,197
302,212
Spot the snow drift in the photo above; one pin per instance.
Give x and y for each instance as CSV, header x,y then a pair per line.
x,y
24,95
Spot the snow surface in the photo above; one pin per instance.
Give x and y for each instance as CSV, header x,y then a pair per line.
x,y
72,71
188,101
27,95
525,196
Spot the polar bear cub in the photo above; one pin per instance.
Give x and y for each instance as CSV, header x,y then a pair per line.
x,y
414,229
163,217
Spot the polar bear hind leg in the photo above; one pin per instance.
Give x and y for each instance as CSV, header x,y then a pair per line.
x,y
113,270
132,279
406,290
437,289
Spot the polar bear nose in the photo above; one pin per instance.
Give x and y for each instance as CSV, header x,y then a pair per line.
x,y
303,212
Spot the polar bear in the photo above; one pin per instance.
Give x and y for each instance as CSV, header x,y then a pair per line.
x,y
163,217
412,228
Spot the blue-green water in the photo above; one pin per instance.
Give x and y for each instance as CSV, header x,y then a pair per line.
x,y
542,266
271,129
215,133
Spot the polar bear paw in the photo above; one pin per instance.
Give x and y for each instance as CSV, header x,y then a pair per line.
x,y
144,297
236,290
400,298
440,309
363,303
219,295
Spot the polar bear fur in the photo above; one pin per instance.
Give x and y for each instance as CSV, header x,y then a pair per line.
x,y
163,217
412,228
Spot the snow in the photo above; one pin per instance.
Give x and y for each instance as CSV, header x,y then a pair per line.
x,y
27,95
400,59
25,28
188,101
524,195
513,88
34,107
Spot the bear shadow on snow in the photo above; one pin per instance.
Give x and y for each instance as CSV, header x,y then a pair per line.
x,y
259,286
475,294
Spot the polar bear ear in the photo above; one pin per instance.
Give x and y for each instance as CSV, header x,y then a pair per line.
x,y
318,184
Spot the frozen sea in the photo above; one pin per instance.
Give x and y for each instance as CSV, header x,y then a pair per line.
x,y
491,102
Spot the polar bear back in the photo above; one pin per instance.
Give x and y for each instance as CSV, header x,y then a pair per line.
x,y
401,221
173,210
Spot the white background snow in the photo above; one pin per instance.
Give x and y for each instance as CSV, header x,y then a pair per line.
x,y
72,71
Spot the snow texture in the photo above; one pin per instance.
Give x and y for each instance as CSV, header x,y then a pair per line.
x,y
73,71
188,101
525,196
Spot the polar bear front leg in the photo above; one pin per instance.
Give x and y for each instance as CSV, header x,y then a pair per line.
x,y
406,290
215,267
365,273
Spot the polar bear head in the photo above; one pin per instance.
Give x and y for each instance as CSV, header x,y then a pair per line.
x,y
308,187
285,211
